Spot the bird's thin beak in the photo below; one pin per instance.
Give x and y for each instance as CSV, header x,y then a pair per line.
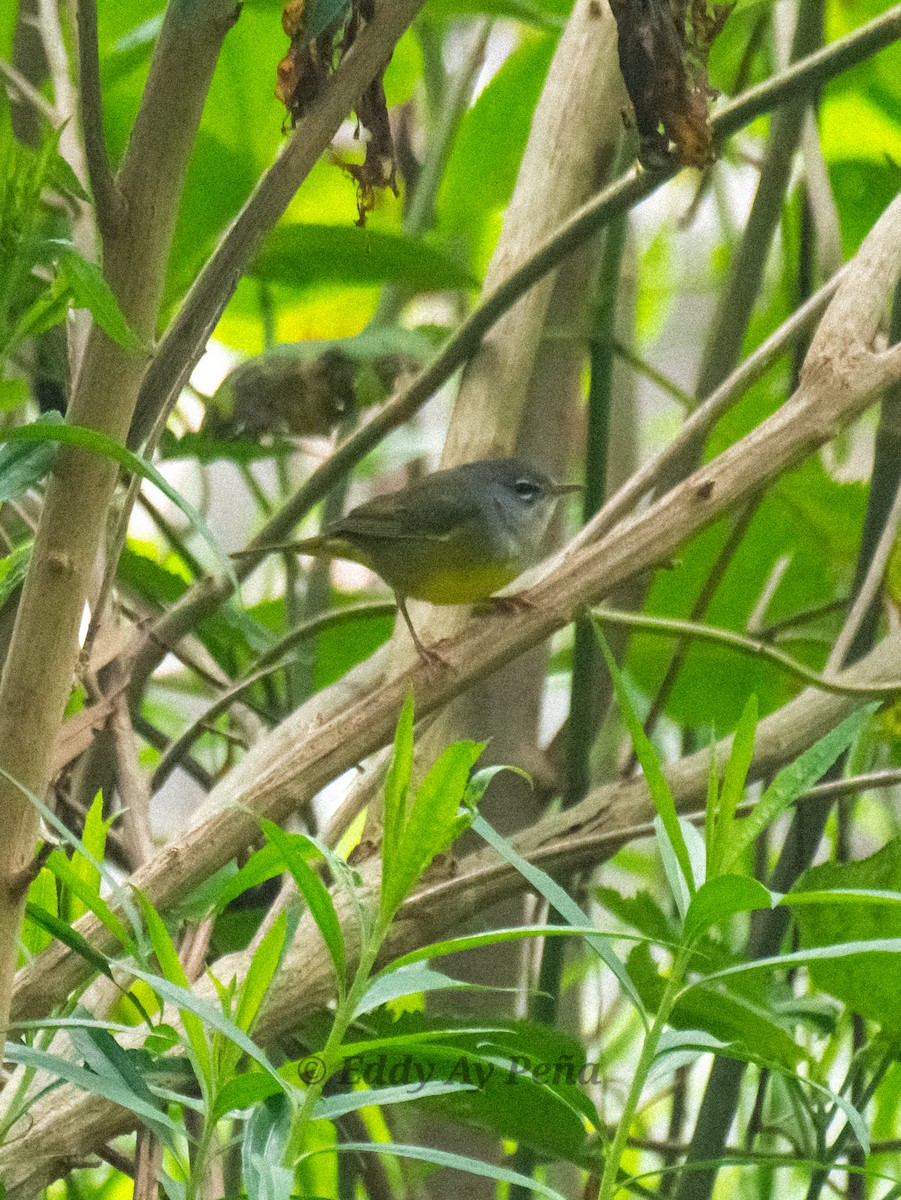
x,y
564,489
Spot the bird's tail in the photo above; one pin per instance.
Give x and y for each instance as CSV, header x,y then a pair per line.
x,y
319,547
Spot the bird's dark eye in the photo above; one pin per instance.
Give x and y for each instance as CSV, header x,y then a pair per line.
x,y
527,490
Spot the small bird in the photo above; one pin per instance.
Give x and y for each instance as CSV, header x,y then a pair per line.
x,y
453,537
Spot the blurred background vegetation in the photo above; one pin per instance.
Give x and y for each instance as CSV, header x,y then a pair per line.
x,y
330,318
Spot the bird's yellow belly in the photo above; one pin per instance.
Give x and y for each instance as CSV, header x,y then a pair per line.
x,y
452,584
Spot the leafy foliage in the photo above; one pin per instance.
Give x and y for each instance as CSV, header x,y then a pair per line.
x,y
284,996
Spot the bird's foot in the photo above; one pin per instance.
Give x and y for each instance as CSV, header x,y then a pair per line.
x,y
431,656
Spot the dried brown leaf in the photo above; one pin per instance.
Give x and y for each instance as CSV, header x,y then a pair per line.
x,y
664,46
302,74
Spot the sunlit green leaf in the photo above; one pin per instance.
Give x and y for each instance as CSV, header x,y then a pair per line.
x,y
300,256
723,897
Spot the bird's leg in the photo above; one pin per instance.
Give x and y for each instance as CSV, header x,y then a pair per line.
x,y
430,657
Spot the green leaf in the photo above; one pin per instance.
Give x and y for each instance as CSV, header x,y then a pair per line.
x,y
24,465
107,1087
14,568
170,965
263,966
89,895
487,151
64,933
65,180
329,1108
94,841
813,954
642,912
244,1091
443,1158
480,781
561,901
409,981
734,777
650,765
161,941
301,256
397,787
675,877
133,945
88,289
432,823
794,780
103,1054
841,902
263,1150
42,898
263,865
721,898
210,1016
315,893
99,443
493,937
753,1027
47,310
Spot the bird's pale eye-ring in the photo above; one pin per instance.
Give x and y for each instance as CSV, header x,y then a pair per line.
x,y
527,490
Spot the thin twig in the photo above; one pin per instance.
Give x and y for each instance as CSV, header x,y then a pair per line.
x,y
156,738
673,627
661,381
186,338
727,332
29,92
177,749
870,586
702,603
134,793
705,415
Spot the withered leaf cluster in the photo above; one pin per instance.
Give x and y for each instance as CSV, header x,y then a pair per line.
x,y
302,73
283,393
305,389
664,46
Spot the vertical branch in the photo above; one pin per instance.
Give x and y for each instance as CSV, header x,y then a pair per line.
x,y
726,336
37,674
106,198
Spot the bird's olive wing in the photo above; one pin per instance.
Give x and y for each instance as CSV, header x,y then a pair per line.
x,y
428,510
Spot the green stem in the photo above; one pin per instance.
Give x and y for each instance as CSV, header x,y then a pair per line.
x,y
194,1186
609,1180
344,1015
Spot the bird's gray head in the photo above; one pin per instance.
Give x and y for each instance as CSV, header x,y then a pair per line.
x,y
524,498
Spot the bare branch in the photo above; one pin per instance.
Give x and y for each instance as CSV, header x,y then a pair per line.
x,y
107,201
675,627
